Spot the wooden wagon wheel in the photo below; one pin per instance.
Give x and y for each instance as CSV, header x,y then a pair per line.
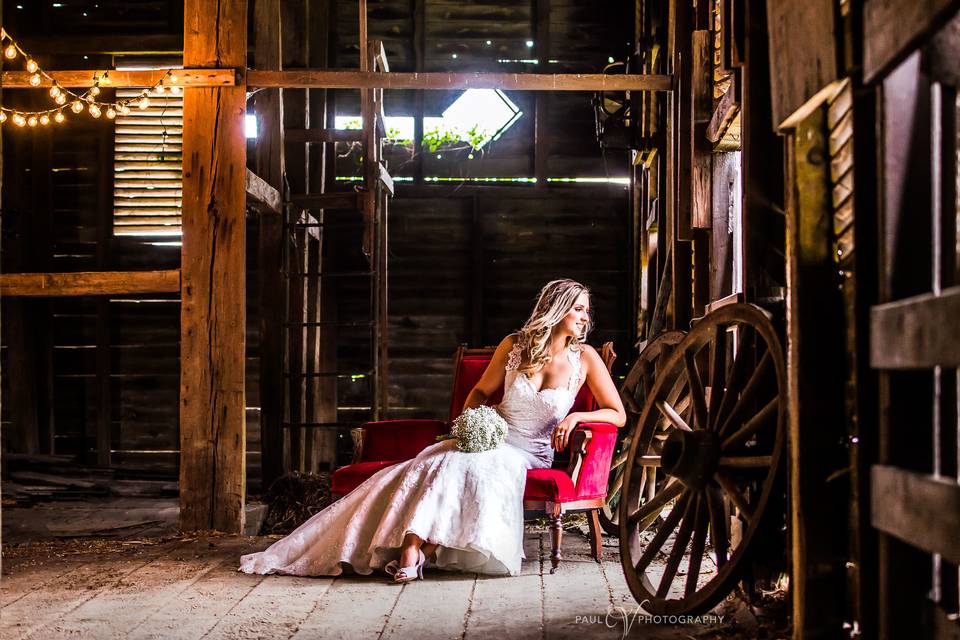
x,y
718,409
633,392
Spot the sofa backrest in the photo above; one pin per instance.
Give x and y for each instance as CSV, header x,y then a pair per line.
x,y
470,365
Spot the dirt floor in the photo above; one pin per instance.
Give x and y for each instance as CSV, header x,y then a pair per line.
x,y
188,587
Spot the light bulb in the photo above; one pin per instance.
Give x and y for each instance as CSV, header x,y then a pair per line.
x,y
144,102
160,89
95,90
32,66
44,119
95,111
59,117
173,77
10,52
3,116
54,91
35,80
175,90
111,114
124,109
19,120
77,106
32,121
61,98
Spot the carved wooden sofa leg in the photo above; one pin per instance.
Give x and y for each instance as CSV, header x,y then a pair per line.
x,y
556,538
596,543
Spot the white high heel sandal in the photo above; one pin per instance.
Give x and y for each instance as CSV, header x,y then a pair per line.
x,y
406,574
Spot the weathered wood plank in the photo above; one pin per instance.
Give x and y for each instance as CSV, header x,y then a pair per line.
x,y
893,28
213,309
86,283
919,509
262,194
307,78
120,79
802,38
916,332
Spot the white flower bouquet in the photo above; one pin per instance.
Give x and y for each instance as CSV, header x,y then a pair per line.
x,y
479,429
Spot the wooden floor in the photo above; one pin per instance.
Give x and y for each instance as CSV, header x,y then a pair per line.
x,y
190,588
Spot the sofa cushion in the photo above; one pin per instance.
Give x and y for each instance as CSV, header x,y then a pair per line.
x,y
346,479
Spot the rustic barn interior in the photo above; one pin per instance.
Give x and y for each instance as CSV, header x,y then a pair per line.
x,y
236,231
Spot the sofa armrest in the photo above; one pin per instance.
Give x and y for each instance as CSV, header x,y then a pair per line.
x,y
396,439
592,445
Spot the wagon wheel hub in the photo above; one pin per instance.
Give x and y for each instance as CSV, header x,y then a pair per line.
x,y
691,456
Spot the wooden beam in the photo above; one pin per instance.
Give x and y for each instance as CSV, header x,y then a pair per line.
x,y
213,263
118,79
267,193
916,332
803,36
893,29
263,195
727,109
541,128
89,283
919,509
814,311
323,135
316,78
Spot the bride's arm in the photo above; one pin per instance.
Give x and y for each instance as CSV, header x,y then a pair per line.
x,y
492,378
604,391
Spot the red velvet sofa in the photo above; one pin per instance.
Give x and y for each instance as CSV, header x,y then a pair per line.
x,y
577,481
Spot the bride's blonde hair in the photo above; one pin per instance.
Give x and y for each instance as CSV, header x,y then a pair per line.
x,y
554,302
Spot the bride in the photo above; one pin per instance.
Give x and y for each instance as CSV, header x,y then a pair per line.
x,y
464,511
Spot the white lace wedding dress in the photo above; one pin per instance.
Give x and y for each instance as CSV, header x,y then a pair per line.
x,y
471,504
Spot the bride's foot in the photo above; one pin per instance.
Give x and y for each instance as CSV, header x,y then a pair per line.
x,y
406,573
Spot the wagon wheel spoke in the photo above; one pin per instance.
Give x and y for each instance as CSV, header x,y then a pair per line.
x,y
746,462
652,508
752,426
718,361
757,379
696,548
697,394
719,533
679,544
737,373
730,488
631,404
615,487
620,459
663,532
671,414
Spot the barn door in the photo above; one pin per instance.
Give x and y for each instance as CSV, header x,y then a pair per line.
x,y
915,330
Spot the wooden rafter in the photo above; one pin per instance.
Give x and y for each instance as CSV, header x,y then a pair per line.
x,y
88,283
119,79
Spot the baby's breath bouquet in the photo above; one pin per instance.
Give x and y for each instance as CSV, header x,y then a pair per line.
x,y
478,429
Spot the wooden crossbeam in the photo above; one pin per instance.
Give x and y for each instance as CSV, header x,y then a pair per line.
x,y
315,78
89,283
916,332
919,509
262,194
118,79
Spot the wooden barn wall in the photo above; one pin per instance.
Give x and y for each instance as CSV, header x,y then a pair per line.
x,y
581,39
144,330
468,269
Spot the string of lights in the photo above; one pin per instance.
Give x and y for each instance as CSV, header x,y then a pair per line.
x,y
64,99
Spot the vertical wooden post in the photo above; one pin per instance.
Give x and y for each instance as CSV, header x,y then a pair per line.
x,y
104,238
213,271
270,167
815,372
419,46
541,145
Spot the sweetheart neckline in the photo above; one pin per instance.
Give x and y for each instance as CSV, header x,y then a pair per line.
x,y
539,391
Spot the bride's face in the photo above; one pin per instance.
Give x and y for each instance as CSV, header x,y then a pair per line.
x,y
577,319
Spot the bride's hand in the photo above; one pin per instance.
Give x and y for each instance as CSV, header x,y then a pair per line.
x,y
561,434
